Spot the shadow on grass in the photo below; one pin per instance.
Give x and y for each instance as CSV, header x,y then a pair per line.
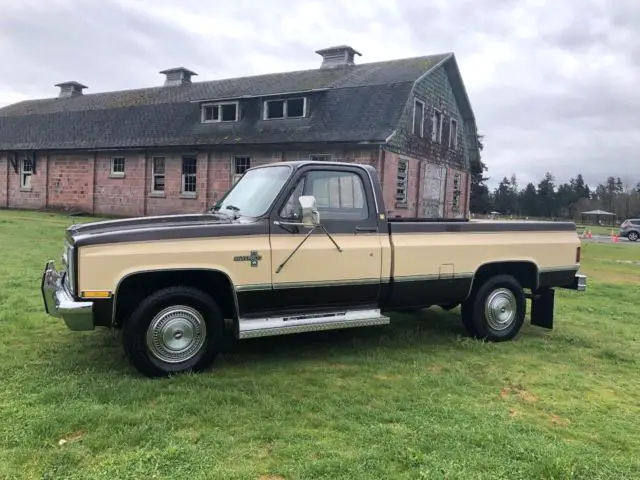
x,y
426,327
101,350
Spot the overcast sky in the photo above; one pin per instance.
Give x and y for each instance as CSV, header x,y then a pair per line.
x,y
555,85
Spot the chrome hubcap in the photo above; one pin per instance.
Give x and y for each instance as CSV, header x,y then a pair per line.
x,y
176,334
500,309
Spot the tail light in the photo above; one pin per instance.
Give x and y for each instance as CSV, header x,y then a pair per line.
x,y
578,255
625,224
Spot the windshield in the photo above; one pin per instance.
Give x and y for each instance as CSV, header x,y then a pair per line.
x,y
255,191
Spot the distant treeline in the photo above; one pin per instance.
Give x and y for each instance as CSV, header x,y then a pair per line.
x,y
548,199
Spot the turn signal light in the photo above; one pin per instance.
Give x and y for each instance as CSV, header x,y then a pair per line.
x,y
96,294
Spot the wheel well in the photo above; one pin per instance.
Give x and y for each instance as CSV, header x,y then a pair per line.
x,y
525,272
139,285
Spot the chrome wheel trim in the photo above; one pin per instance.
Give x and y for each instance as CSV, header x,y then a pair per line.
x,y
500,309
176,334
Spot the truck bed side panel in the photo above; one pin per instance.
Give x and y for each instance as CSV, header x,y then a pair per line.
x,y
434,263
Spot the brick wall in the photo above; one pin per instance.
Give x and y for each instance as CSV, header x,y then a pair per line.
x,y
88,183
69,182
33,196
123,192
456,208
172,199
389,180
440,198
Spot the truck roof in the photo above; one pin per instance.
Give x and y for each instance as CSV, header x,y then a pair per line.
x,y
300,163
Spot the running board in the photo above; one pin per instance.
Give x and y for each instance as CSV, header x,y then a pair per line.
x,y
313,322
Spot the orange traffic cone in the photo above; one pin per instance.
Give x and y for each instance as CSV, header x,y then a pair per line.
x,y
614,237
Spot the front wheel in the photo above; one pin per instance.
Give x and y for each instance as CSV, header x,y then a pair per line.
x,y
175,330
633,236
496,309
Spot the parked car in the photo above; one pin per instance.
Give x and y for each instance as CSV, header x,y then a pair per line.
x,y
630,229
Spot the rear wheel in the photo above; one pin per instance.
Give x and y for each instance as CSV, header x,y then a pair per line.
x,y
175,330
633,236
495,310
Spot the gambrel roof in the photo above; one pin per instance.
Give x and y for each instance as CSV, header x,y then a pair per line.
x,y
346,103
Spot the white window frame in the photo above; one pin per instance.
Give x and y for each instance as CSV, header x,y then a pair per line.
x,y
234,163
114,173
26,173
436,130
413,121
219,105
285,101
402,181
184,176
453,139
154,174
320,157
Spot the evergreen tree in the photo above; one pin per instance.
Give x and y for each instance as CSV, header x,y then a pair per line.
x,y
480,198
528,201
546,196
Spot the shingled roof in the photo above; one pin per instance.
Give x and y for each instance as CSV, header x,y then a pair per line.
x,y
356,103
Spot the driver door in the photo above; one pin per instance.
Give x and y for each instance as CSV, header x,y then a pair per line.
x,y
319,277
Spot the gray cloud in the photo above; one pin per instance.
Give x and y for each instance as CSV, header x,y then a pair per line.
x,y
553,84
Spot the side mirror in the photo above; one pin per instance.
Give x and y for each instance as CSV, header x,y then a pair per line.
x,y
310,214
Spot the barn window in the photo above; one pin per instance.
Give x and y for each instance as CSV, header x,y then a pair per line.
x,y
453,134
241,163
456,193
436,126
290,108
117,166
158,173
418,118
402,185
189,178
26,172
220,112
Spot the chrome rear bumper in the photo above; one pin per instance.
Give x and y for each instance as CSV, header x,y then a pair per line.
x,y
579,283
59,303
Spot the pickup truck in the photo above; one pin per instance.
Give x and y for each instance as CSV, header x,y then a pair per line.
x,y
295,247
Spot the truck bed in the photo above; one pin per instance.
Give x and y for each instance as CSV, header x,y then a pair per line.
x,y
439,259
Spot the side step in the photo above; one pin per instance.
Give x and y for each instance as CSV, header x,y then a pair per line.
x,y
313,322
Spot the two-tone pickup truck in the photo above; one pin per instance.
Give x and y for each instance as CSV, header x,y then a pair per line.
x,y
295,247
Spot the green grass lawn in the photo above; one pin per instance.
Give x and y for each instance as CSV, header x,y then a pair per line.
x,y
416,399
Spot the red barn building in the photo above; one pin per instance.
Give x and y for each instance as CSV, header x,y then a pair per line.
x,y
179,146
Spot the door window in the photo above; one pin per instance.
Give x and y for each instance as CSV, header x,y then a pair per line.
x,y
339,196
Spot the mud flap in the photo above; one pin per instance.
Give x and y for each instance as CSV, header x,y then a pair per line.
x,y
542,308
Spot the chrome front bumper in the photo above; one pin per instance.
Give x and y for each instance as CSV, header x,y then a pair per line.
x,y
58,302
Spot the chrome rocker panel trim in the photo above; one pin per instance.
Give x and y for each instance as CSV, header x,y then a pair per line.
x,y
58,302
312,322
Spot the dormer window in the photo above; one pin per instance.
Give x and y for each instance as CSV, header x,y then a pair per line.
x,y
220,112
289,108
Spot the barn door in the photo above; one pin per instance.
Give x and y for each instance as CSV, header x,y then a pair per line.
x,y
433,191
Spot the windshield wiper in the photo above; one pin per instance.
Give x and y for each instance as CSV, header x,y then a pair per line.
x,y
234,209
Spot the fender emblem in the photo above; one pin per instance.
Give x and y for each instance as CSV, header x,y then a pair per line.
x,y
254,257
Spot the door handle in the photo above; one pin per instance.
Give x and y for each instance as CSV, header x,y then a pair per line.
x,y
366,229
